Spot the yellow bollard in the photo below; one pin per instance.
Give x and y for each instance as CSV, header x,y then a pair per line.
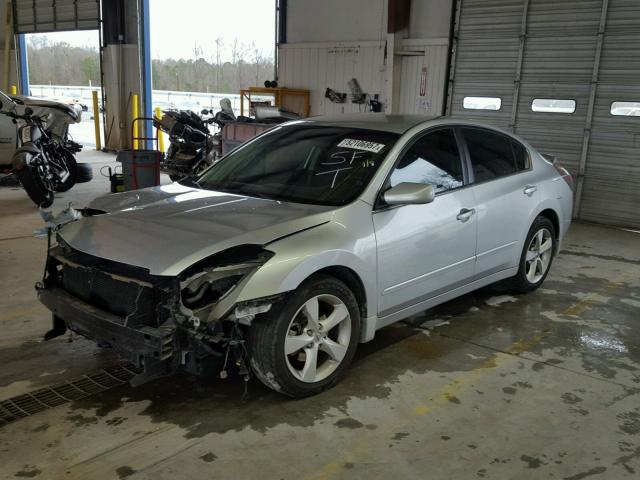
x,y
160,132
134,115
14,90
96,119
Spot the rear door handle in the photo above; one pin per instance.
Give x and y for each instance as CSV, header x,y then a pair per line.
x,y
530,190
465,214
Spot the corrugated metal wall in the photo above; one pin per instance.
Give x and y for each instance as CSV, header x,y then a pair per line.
x,y
316,66
31,16
584,50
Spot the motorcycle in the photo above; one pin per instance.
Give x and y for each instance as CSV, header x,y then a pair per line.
x,y
43,163
192,147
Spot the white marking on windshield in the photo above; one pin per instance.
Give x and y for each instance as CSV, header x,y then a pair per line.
x,y
335,172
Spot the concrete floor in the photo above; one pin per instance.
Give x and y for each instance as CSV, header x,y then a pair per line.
x,y
545,385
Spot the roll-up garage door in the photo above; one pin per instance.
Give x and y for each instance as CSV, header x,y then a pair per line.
x,y
566,76
32,16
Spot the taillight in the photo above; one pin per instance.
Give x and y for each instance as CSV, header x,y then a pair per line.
x,y
564,173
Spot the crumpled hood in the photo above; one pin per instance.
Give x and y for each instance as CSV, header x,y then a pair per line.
x,y
168,228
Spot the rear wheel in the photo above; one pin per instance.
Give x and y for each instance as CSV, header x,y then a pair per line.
x,y
307,342
35,181
85,173
536,257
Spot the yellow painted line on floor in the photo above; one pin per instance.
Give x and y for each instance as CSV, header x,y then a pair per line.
x,y
448,392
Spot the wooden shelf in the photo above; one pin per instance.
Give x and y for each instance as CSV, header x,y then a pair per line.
x,y
282,97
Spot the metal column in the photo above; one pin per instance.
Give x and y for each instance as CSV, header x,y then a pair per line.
x,y
144,39
23,66
592,99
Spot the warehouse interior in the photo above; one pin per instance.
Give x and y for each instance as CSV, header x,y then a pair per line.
x,y
491,384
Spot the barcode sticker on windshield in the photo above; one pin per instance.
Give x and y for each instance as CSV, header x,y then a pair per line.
x,y
361,145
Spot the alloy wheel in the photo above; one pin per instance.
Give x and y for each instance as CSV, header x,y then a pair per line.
x,y
317,338
538,255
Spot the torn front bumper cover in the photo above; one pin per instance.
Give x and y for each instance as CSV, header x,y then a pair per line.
x,y
146,347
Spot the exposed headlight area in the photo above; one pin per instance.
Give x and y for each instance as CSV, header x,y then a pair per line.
x,y
207,287
199,294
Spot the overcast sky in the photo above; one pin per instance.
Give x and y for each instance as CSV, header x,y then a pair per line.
x,y
176,31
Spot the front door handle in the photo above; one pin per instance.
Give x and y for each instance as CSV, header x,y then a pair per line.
x,y
465,214
530,190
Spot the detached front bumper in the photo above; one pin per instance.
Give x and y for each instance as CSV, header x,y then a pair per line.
x,y
143,346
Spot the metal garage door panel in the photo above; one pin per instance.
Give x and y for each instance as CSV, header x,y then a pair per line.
x,y
611,192
498,118
611,202
568,17
487,58
31,16
494,17
552,133
558,59
623,16
620,63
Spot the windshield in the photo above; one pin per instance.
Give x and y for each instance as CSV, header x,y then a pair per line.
x,y
303,164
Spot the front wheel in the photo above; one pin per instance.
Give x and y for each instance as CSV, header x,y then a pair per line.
x,y
536,257
306,343
34,180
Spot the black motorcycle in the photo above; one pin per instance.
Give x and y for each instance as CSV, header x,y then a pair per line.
x,y
193,148
43,164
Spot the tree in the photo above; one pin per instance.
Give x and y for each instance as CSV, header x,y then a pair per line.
x,y
62,64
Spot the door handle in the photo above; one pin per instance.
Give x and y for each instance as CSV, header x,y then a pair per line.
x,y
530,190
465,214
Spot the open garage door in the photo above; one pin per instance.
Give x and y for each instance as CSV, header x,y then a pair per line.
x,y
34,16
554,73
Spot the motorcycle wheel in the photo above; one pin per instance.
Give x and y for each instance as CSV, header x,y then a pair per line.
x,y
31,179
85,173
72,166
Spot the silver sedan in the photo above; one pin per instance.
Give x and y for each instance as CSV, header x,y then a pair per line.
x,y
297,246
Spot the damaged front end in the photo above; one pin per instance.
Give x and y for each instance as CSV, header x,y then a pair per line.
x,y
162,324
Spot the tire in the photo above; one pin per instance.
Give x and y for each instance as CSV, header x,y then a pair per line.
x,y
35,187
71,180
535,263
85,173
287,324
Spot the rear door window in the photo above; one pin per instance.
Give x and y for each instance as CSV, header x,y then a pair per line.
x,y
494,155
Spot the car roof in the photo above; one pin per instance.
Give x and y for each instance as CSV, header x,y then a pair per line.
x,y
395,123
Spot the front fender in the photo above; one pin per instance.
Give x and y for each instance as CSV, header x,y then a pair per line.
x,y
328,245
23,156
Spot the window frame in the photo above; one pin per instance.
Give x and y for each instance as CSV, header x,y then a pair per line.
x,y
380,204
575,106
482,109
611,114
467,154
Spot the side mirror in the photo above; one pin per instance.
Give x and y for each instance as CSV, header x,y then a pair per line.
x,y
204,112
28,111
409,194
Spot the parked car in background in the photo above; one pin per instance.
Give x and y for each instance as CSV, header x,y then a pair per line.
x,y
297,246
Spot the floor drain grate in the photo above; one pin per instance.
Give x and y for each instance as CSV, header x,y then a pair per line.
x,y
27,404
